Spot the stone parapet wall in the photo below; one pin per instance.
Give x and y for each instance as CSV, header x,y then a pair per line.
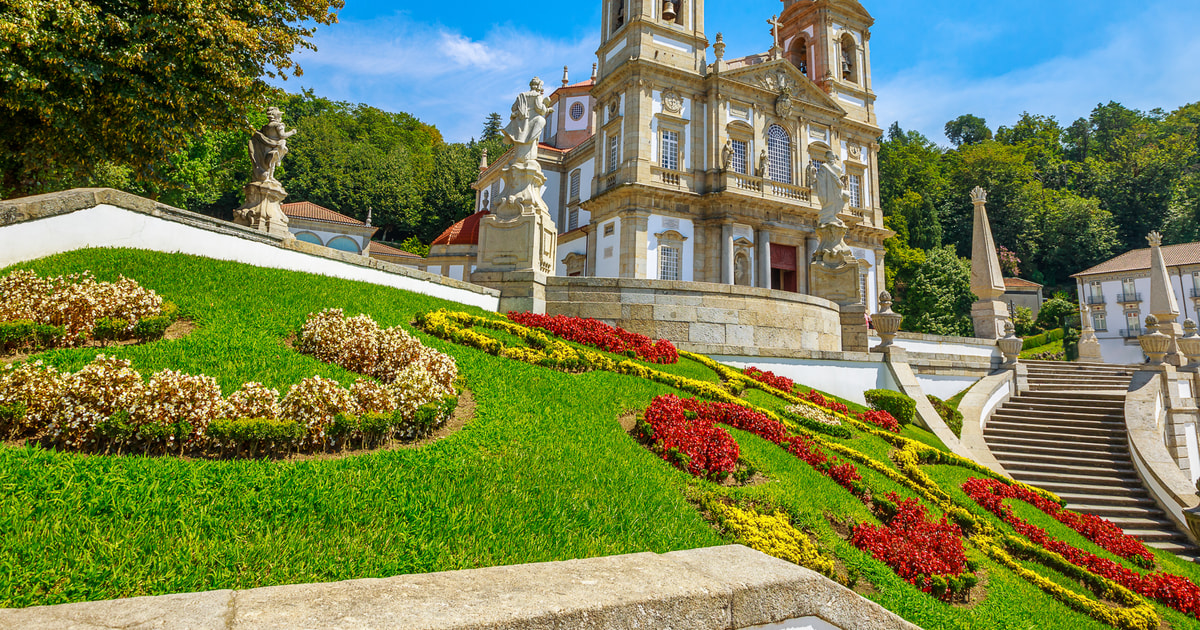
x,y
701,316
716,588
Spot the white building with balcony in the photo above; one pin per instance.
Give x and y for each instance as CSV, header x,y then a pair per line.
x,y
1118,293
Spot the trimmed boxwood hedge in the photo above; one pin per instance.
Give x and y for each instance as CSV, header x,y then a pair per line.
x,y
902,408
1050,336
951,416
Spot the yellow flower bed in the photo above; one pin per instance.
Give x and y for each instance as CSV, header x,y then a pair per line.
x,y
772,534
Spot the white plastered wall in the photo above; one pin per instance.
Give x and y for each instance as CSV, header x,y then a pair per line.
x,y
655,225
847,379
110,226
608,250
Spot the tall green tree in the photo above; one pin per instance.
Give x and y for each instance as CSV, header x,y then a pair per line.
x,y
92,82
939,299
491,128
967,129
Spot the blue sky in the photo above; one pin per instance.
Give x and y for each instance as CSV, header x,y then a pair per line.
x,y
451,63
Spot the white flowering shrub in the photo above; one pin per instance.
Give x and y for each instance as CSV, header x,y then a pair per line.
x,y
814,413
33,389
253,400
177,406
372,397
358,344
75,302
101,388
314,402
415,386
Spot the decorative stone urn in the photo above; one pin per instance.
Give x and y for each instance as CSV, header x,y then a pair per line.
x,y
1154,343
1189,344
886,322
1010,344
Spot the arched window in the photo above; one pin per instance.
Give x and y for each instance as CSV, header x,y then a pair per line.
x,y
309,237
779,155
849,58
345,244
618,14
799,54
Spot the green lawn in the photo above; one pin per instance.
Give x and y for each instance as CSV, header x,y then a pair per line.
x,y
543,472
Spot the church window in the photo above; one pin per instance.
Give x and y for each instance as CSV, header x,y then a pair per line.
x,y
799,56
575,176
614,147
670,150
738,160
855,191
668,263
576,111
849,54
573,219
779,155
618,14
862,287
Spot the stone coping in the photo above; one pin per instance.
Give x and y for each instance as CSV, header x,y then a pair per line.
x,y
781,353
1158,470
715,588
972,407
23,209
681,287
971,341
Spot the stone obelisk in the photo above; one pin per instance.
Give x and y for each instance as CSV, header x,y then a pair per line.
x,y
518,240
990,312
1162,299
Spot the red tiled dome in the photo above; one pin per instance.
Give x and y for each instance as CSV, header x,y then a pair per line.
x,y
465,232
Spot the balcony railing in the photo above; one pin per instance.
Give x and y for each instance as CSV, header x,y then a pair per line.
x,y
764,187
1131,333
1129,298
1196,293
1095,299
673,179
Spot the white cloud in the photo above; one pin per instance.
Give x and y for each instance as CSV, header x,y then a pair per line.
x,y
435,73
1144,63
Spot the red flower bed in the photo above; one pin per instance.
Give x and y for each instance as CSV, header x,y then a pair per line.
x,y
770,378
924,553
1177,592
687,440
815,397
597,334
844,473
738,417
881,419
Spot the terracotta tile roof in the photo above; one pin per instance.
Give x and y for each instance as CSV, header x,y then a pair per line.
x,y
383,249
310,210
465,232
1020,283
1139,259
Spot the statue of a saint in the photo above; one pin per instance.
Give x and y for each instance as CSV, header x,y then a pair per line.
x,y
527,121
831,189
741,270
727,155
762,163
268,146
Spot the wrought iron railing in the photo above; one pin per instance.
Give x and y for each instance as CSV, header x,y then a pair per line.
x,y
1129,298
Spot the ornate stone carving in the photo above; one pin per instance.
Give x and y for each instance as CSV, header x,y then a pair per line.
x,y
1089,346
727,155
886,322
831,191
672,102
268,146
1010,344
855,152
1154,343
614,107
719,47
775,81
783,104
1189,344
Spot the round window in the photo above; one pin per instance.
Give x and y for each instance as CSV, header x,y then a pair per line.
x,y
577,111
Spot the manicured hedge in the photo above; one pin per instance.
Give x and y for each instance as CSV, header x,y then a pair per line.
x,y
28,334
1050,336
951,416
902,408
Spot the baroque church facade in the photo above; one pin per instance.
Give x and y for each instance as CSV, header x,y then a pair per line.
x,y
665,165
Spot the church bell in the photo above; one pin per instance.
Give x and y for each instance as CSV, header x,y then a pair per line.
x,y
668,10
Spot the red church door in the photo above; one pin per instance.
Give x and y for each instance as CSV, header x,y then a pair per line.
x,y
783,267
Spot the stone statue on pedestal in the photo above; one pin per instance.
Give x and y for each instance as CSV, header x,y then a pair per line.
x,y
261,210
519,234
831,191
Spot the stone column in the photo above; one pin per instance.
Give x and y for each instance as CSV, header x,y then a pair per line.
x,y
633,245
990,312
727,253
1162,299
763,242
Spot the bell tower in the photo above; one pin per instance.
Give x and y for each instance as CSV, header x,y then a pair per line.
x,y
666,31
829,40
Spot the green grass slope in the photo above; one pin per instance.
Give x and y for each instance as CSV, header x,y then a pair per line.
x,y
543,472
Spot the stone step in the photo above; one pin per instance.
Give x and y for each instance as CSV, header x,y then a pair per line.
x,y
1076,408
1094,487
1091,397
1056,456
1039,478
1113,468
1054,423
1109,511
1043,434
1076,449
1050,427
1038,369
1084,502
1079,365
1099,389
1181,547
1142,523
1155,535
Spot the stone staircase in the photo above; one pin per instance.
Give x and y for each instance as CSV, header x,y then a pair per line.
x,y
1067,435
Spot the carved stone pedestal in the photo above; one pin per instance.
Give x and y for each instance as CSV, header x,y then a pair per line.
x,y
262,211
854,328
525,242
836,284
989,317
